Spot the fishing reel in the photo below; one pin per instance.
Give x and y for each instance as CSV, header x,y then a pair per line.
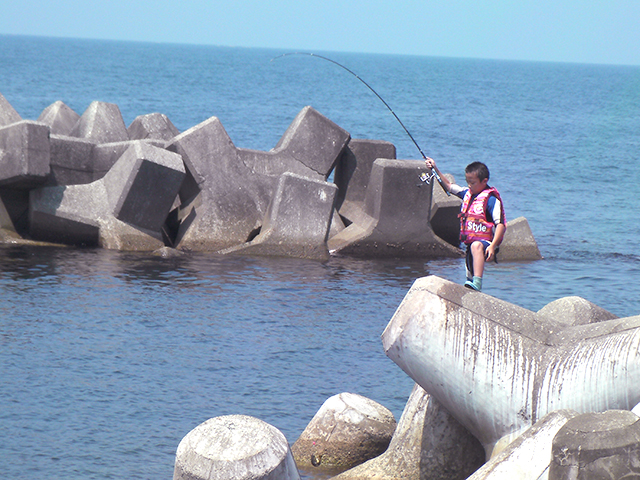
x,y
426,178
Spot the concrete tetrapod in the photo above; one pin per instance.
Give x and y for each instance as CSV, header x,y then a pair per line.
x,y
348,430
234,447
428,444
592,446
124,210
228,189
395,217
498,368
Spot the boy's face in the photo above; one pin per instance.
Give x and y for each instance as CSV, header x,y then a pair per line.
x,y
475,184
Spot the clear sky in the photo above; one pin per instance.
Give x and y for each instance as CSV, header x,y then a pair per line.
x,y
583,31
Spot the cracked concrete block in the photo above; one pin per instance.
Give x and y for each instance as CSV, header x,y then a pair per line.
x,y
8,114
101,123
152,126
395,217
124,210
297,220
228,189
24,154
60,118
347,430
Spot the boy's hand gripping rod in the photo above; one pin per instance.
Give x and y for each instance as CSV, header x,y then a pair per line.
x,y
424,176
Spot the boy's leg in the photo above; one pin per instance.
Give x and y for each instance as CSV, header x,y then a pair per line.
x,y
477,252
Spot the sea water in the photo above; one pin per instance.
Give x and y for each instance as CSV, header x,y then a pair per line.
x,y
108,359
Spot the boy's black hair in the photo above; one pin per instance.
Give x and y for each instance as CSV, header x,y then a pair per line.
x,y
479,169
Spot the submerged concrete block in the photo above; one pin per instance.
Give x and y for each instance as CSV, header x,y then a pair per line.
x,y
8,114
297,220
24,154
228,190
347,430
125,210
395,219
60,118
235,447
499,368
152,126
428,443
594,446
101,123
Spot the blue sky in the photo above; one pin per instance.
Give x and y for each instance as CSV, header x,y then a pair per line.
x,y
586,31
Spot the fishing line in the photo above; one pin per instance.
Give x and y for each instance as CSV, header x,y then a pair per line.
x,y
424,177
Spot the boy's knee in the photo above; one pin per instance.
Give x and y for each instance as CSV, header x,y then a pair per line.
x,y
477,247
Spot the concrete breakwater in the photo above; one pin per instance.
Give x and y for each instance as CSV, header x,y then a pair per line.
x,y
89,179
501,392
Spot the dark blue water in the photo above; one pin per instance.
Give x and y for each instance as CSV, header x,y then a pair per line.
x,y
107,359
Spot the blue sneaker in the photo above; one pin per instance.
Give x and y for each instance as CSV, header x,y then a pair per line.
x,y
475,284
471,285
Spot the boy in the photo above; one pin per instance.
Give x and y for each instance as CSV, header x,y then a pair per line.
x,y
482,219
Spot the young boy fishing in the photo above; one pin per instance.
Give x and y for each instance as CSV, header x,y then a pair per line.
x,y
482,219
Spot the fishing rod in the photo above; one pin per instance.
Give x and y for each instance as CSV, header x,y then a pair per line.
x,y
423,177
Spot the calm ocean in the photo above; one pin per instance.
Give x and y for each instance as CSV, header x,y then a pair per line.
x,y
107,359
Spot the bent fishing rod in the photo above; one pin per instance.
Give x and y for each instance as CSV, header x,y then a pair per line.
x,y
424,177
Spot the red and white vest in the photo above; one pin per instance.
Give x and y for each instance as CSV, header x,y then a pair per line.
x,y
473,217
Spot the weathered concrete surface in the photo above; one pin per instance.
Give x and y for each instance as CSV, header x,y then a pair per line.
x,y
527,457
71,160
8,114
428,444
60,118
595,446
234,447
353,171
572,311
155,126
24,154
101,123
348,430
297,220
228,190
395,220
519,243
125,210
76,161
498,368
7,229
